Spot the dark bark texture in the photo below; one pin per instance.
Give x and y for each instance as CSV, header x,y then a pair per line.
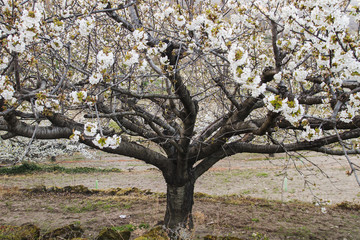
x,y
179,206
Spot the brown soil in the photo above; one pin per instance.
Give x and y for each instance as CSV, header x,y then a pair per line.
x,y
244,179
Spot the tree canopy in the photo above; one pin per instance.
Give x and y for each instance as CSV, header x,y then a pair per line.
x,y
183,85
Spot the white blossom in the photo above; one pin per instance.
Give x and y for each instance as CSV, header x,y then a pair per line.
x,y
346,116
100,141
90,129
164,60
300,75
8,93
86,25
75,136
31,18
39,106
323,210
15,43
258,90
196,23
4,62
293,111
56,44
311,134
274,103
6,90
139,35
180,20
131,58
168,11
277,77
95,78
105,60
238,58
162,46
78,97
114,141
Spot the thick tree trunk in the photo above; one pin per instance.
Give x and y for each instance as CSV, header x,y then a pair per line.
x,y
180,200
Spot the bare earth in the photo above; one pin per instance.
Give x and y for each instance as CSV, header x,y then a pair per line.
x,y
247,180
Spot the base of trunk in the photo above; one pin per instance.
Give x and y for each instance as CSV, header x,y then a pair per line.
x,y
179,207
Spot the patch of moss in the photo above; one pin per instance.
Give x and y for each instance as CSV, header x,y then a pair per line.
x,y
25,232
67,189
111,234
67,232
348,206
157,233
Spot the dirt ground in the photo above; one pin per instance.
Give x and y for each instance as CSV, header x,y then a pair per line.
x,y
242,187
318,177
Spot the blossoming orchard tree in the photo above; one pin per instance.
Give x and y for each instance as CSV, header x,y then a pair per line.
x,y
185,84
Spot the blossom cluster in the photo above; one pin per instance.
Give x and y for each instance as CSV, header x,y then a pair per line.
x,y
311,134
132,57
105,59
46,103
78,97
291,109
352,108
91,130
107,142
86,25
6,89
242,73
24,31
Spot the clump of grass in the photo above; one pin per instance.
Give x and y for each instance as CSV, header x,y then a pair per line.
x,y
126,227
28,168
348,206
88,206
262,174
131,227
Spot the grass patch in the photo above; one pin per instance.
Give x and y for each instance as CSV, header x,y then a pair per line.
x,y
28,168
131,227
88,206
262,174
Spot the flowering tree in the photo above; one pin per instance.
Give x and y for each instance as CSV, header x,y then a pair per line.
x,y
185,84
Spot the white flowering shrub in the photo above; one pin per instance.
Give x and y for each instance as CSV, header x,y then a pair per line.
x,y
19,150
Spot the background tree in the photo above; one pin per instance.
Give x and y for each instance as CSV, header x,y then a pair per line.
x,y
185,84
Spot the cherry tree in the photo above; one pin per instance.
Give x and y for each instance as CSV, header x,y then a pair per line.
x,y
181,86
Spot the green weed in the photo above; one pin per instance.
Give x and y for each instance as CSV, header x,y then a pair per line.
x,y
246,192
126,227
131,227
262,174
